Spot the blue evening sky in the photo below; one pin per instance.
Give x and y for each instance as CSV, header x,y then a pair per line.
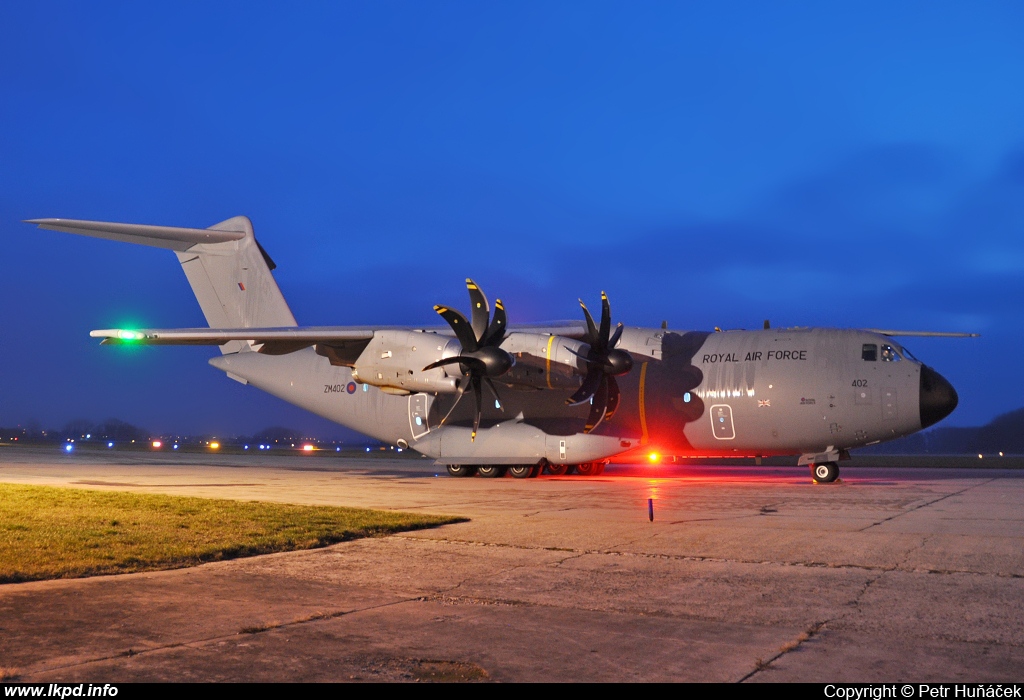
x,y
852,165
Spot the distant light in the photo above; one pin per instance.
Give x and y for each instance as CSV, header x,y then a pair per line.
x,y
654,457
110,444
247,447
214,445
68,447
308,448
399,449
367,449
89,435
979,457
175,445
1000,454
157,444
337,449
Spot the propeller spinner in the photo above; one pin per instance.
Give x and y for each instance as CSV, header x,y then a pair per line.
x,y
481,357
604,363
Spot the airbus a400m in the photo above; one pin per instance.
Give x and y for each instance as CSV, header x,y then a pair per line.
x,y
561,396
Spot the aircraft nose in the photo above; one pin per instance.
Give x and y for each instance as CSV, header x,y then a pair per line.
x,y
938,397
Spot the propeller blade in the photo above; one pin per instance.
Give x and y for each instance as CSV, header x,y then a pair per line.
x,y
494,390
591,328
613,341
600,406
496,331
479,309
458,397
606,321
577,354
459,324
475,381
613,398
442,363
590,384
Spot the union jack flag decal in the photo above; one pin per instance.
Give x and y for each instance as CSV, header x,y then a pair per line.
x,y
762,403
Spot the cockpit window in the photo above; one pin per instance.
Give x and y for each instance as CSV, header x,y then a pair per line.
x,y
869,352
889,354
907,354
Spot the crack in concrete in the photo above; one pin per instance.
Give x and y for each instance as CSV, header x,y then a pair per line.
x,y
316,617
925,505
761,665
715,560
791,646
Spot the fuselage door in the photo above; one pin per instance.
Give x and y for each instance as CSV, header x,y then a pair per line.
x,y
419,407
721,422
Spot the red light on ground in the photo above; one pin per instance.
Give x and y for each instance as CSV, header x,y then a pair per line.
x,y
308,448
157,444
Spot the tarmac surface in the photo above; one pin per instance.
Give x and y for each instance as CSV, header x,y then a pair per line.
x,y
749,574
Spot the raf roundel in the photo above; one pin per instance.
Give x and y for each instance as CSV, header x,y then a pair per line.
x,y
351,388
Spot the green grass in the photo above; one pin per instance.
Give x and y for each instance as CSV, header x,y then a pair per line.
x,y
48,532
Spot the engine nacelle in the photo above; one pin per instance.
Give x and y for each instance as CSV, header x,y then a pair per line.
x,y
544,361
394,360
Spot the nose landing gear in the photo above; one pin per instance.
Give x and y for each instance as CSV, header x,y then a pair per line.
x,y
824,472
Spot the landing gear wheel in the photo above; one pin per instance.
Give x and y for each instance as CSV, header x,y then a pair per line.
x,y
557,469
490,471
599,469
825,473
522,471
461,470
587,468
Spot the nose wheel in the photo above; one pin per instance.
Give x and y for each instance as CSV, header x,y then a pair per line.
x,y
824,472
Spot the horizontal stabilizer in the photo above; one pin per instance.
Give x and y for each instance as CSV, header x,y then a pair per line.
x,y
923,334
170,237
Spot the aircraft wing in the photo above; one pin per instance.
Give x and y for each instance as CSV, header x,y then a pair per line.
x,y
923,334
280,341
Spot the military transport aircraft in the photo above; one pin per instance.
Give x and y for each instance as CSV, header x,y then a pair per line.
x,y
563,397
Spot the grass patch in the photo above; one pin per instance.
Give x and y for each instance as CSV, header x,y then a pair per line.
x,y
48,532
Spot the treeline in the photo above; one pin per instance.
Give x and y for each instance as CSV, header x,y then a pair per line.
x,y
119,431
1004,434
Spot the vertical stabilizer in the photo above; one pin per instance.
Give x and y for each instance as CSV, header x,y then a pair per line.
x,y
229,271
233,283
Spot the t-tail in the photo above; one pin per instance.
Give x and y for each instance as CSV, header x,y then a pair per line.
x,y
228,269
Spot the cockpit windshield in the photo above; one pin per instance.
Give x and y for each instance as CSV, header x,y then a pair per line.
x,y
907,354
889,353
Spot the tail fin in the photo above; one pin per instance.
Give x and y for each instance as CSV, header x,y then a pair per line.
x,y
228,270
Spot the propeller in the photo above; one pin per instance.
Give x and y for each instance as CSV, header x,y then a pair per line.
x,y
481,357
604,363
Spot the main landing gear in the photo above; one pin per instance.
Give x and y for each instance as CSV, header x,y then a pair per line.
x,y
824,472
524,471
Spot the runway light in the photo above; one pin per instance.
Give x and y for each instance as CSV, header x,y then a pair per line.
x,y
214,445
1000,454
337,449
175,445
68,447
157,444
367,449
979,457
307,448
110,444
247,447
